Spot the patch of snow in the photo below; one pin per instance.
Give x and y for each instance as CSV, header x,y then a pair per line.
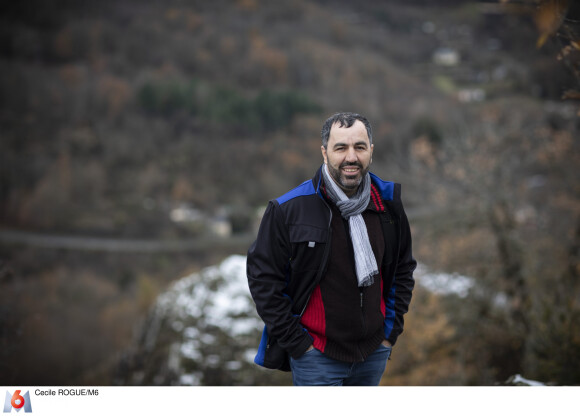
x,y
216,297
192,297
189,349
518,379
190,380
249,355
219,297
232,299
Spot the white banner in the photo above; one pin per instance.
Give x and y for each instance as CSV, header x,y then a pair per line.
x,y
291,401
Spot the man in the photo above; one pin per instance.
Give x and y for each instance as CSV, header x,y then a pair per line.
x,y
331,271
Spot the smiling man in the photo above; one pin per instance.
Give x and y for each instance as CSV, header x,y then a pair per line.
x,y
347,151
331,270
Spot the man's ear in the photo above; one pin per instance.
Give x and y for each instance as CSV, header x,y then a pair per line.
x,y
324,156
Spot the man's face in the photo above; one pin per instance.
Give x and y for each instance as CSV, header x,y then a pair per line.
x,y
348,155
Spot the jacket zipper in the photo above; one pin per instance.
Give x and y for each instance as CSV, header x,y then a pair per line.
x,y
361,296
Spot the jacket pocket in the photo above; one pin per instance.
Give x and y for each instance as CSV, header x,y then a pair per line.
x,y
307,247
301,232
308,252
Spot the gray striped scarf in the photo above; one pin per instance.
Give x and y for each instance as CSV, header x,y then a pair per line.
x,y
351,210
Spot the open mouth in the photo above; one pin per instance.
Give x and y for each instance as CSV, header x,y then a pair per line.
x,y
350,170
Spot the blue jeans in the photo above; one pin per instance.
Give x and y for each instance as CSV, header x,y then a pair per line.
x,y
316,369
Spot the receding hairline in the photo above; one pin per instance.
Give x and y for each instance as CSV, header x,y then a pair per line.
x,y
347,120
366,141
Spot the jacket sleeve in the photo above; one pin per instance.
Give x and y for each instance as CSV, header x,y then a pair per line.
x,y
267,263
404,280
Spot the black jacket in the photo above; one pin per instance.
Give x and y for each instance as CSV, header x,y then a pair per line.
x,y
290,256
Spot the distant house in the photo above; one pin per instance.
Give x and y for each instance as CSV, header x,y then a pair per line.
x,y
468,95
220,226
197,220
445,56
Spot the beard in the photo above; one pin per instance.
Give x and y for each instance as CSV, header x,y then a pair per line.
x,y
348,183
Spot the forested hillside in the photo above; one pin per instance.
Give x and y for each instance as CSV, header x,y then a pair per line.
x,y
167,121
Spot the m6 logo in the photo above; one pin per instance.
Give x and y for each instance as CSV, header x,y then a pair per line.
x,y
17,402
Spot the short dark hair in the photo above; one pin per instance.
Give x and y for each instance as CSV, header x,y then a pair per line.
x,y
345,120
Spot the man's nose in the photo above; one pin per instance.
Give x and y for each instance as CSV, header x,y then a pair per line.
x,y
351,155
